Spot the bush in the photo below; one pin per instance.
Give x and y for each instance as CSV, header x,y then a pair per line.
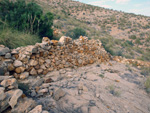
x,y
132,37
137,41
145,71
75,33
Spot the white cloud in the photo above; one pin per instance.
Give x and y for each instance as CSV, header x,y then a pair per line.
x,y
122,1
144,11
101,3
138,5
106,6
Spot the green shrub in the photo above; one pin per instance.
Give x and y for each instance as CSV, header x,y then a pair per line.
x,y
113,91
101,75
132,37
127,43
145,71
137,41
75,33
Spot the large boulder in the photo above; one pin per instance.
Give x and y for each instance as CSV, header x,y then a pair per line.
x,y
64,40
24,105
5,103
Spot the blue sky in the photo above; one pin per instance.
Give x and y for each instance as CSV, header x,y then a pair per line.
x,y
131,6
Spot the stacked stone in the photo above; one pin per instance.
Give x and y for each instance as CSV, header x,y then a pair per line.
x,y
51,55
135,62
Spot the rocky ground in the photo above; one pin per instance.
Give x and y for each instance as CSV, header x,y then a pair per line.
x,y
98,88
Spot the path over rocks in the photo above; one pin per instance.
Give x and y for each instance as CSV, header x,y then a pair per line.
x,y
96,88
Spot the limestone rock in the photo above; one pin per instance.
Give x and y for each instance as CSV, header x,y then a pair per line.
x,y
4,78
33,72
14,51
48,61
82,87
3,66
46,40
17,63
38,82
2,94
33,62
8,55
19,70
8,61
3,50
40,71
11,67
42,91
94,109
4,104
10,83
33,93
14,98
64,40
24,106
48,80
59,94
45,112
32,49
2,71
37,109
45,46
24,75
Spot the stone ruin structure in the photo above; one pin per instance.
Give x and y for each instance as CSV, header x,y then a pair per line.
x,y
41,58
19,69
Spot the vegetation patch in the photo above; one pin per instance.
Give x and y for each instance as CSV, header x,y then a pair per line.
x,y
147,85
112,89
13,38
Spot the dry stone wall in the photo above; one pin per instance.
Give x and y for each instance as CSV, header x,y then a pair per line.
x,y
41,58
134,62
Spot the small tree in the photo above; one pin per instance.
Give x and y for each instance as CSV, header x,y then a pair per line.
x,y
26,17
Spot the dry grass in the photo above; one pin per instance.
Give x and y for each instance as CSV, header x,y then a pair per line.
x,y
13,39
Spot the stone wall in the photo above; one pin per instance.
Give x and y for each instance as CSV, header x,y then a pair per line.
x,y
41,58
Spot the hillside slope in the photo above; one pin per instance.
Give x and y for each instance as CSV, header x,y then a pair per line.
x,y
126,34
